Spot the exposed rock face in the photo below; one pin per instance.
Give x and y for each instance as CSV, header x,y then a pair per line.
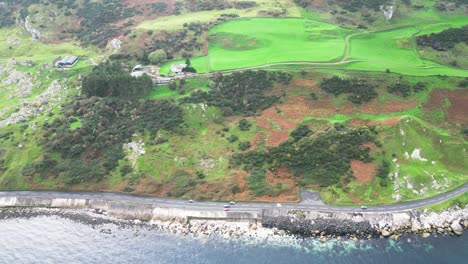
x,y
134,150
388,10
13,41
207,163
21,84
45,101
114,44
35,33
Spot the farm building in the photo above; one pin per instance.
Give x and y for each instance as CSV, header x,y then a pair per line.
x,y
177,69
68,61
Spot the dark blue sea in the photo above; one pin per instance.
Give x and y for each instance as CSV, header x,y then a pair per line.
x,y
54,239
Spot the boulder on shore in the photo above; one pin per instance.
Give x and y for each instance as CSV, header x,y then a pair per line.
x,y
386,233
456,227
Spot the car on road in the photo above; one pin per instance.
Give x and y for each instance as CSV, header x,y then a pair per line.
x,y
226,209
278,205
227,206
363,207
232,203
191,201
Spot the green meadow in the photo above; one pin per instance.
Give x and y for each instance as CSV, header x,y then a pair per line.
x,y
261,41
36,51
268,42
175,22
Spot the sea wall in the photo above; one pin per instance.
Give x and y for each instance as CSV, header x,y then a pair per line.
x,y
367,225
294,222
130,211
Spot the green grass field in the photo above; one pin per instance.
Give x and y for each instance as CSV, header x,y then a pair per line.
x,y
260,41
245,43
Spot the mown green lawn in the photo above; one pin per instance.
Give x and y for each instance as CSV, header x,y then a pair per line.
x,y
252,42
394,50
260,41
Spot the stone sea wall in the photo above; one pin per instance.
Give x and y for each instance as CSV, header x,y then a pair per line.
x,y
130,211
364,225
367,225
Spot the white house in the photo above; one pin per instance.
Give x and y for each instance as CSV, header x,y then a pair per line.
x,y
177,69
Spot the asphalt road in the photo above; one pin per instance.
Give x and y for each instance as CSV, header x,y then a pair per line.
x,y
240,206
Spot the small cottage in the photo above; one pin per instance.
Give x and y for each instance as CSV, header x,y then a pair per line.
x,y
177,69
68,62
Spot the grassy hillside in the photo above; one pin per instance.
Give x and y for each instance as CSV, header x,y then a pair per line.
x,y
398,113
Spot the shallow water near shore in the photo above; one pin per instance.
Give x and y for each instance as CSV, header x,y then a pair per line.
x,y
56,239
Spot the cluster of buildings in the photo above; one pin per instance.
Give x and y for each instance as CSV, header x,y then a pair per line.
x,y
139,70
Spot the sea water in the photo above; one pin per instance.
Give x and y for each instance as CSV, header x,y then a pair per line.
x,y
55,239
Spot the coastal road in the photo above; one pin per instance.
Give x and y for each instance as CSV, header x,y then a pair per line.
x,y
238,207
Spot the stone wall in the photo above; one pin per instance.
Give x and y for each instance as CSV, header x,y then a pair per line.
x,y
294,222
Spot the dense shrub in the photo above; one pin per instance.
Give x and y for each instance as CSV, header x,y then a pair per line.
x,y
244,4
463,83
96,26
244,145
350,5
444,40
109,79
157,56
400,88
240,92
321,160
360,90
383,170
106,123
7,17
258,185
232,138
405,89
300,132
244,125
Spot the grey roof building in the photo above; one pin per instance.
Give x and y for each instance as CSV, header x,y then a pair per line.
x,y
68,61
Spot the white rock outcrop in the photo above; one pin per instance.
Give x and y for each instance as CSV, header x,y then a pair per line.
x,y
35,33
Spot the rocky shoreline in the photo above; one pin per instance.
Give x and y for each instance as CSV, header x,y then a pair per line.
x,y
277,224
369,225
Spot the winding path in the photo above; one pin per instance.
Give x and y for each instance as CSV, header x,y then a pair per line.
x,y
240,207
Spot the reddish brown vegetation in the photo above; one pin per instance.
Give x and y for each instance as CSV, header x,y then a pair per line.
x,y
364,172
456,113
277,124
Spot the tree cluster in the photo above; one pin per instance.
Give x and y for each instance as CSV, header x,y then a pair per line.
x,y
109,79
350,5
383,171
360,90
240,93
180,41
321,160
157,56
206,5
96,27
90,151
405,89
444,40
7,17
244,125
